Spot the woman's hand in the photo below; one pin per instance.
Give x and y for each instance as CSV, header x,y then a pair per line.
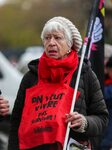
x,y
4,106
75,118
78,121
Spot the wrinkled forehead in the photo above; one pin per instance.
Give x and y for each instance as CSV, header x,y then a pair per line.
x,y
55,34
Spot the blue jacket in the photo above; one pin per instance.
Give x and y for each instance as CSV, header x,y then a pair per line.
x,y
107,140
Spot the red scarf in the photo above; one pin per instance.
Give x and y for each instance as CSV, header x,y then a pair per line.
x,y
108,82
55,70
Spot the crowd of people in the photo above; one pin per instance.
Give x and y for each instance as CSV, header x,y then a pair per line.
x,y
42,108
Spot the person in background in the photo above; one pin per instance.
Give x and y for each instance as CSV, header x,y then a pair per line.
x,y
4,113
42,107
106,143
4,106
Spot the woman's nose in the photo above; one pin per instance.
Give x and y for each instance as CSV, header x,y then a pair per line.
x,y
52,41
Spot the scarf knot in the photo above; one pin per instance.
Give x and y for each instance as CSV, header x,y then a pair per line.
x,y
56,70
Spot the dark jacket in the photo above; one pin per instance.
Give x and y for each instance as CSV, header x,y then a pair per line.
x,y
93,106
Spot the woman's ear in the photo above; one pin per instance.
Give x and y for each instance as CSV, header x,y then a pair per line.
x,y
68,51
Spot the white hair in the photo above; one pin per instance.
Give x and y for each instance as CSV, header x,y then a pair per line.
x,y
56,26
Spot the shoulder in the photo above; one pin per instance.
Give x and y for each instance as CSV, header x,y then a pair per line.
x,y
88,72
31,77
85,71
91,81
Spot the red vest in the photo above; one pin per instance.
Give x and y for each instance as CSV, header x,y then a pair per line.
x,y
43,117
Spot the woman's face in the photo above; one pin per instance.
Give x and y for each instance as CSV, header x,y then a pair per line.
x,y
55,45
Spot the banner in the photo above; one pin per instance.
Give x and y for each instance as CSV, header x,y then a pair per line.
x,y
96,47
93,49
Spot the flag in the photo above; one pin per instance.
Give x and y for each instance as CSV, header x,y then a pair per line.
x,y
96,47
91,46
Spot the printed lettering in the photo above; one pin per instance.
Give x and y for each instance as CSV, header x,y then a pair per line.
x,y
52,104
37,99
43,129
49,117
47,105
42,114
56,97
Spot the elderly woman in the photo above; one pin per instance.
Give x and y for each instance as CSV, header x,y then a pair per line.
x,y
41,110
